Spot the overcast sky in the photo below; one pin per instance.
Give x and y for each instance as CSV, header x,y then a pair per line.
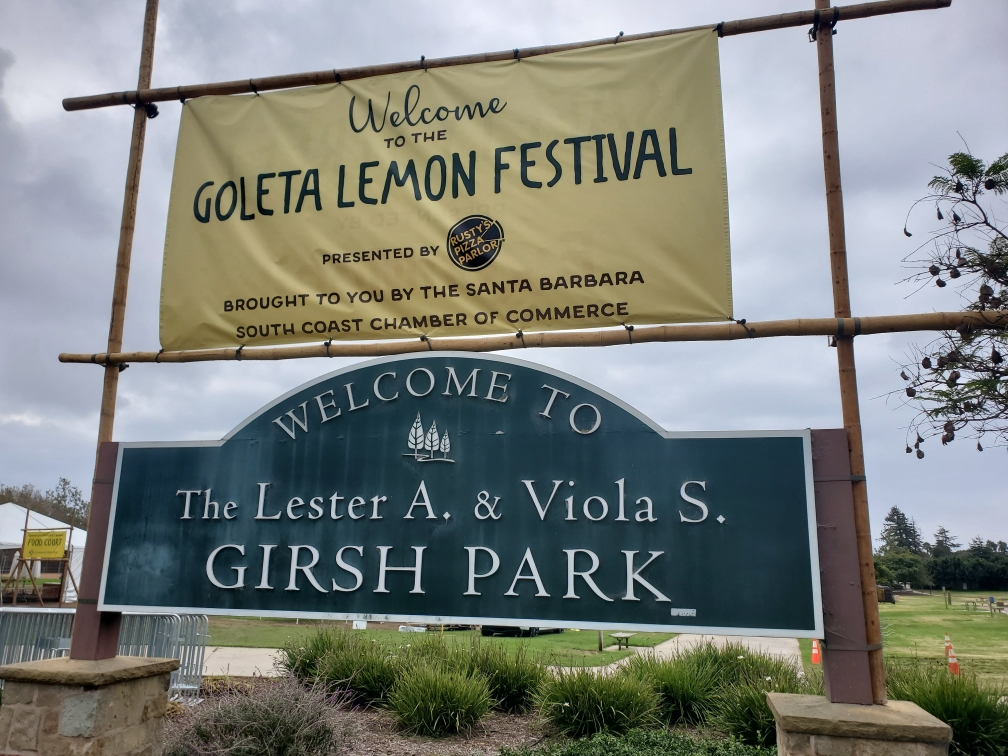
x,y
908,86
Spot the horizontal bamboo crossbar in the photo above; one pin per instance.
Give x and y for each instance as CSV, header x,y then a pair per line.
x,y
289,81
840,327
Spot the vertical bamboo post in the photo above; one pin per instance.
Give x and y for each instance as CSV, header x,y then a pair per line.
x,y
126,227
845,346
95,634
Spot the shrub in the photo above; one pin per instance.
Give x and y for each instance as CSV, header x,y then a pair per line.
x,y
431,649
343,660
429,699
977,714
740,708
724,686
643,743
515,679
686,685
581,701
367,668
302,657
283,718
742,711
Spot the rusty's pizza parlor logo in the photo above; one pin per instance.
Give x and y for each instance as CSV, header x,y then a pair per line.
x,y
474,242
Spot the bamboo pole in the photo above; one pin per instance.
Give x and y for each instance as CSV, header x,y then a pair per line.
x,y
845,349
119,288
89,623
838,327
143,94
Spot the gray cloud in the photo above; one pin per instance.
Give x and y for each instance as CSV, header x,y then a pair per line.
x,y
904,91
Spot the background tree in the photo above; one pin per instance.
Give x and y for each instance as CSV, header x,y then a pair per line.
x,y
900,533
960,381
905,567
901,556
883,576
982,566
945,543
65,502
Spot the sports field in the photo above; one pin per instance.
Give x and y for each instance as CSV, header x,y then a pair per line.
x,y
916,625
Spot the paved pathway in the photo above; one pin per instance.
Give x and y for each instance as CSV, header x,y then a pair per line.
x,y
239,662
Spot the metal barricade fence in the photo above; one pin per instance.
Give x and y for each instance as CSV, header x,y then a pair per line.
x,y
32,634
193,636
29,634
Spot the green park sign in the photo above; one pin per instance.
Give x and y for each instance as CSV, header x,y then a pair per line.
x,y
452,488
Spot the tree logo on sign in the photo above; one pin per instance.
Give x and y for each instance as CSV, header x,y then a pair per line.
x,y
423,446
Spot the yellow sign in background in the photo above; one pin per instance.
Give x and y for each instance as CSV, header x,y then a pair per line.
x,y
579,189
44,544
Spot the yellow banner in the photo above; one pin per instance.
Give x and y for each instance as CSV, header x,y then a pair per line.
x,y
579,189
44,544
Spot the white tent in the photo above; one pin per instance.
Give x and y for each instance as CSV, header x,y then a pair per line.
x,y
12,523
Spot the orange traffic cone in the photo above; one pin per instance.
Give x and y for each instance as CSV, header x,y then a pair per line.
x,y
816,657
948,645
953,664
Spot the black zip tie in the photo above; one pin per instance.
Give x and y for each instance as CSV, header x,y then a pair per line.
x,y
629,331
94,358
327,348
423,337
720,29
749,331
516,56
336,76
238,352
521,336
254,89
125,98
178,91
149,108
122,366
158,355
813,33
423,65
617,38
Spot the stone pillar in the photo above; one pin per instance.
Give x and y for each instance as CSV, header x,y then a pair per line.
x,y
59,707
813,726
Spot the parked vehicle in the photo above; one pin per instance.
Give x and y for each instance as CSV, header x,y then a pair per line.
x,y
503,631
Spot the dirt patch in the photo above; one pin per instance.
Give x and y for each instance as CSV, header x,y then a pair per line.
x,y
373,732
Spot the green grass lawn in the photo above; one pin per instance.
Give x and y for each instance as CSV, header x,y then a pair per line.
x,y
568,648
916,626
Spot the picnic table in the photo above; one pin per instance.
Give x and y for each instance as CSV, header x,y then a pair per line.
x,y
971,602
622,639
